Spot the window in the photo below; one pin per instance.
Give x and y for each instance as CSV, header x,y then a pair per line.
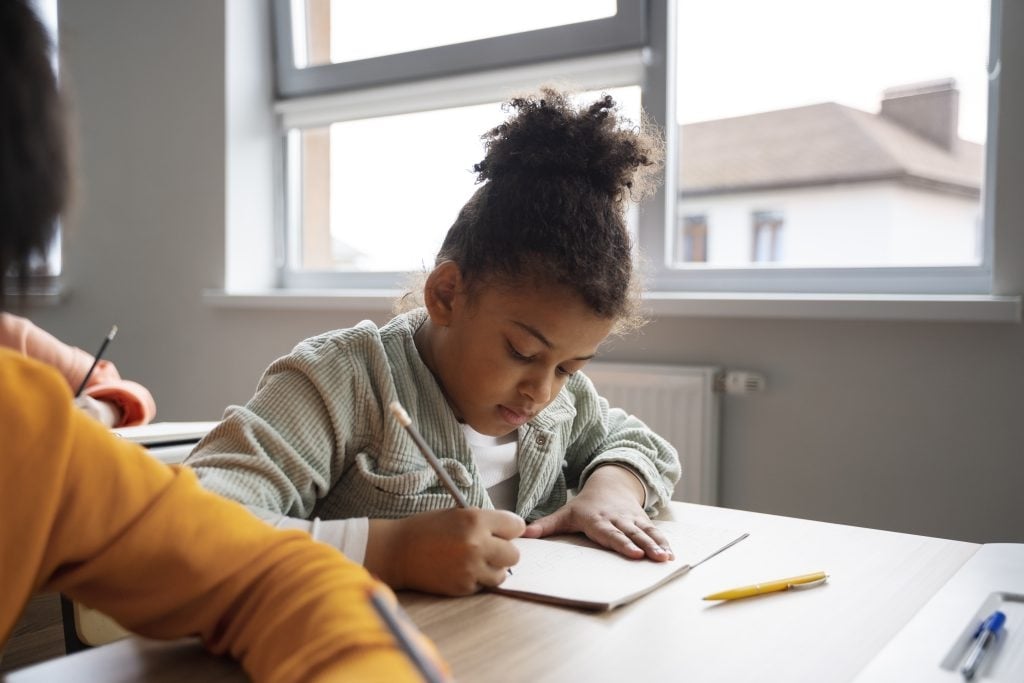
x,y
692,243
329,32
878,155
767,237
867,121
380,137
44,270
378,194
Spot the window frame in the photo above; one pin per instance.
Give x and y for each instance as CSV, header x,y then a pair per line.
x,y
602,53
44,282
624,31
641,41
762,279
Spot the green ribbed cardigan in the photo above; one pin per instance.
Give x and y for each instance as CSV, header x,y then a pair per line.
x,y
317,438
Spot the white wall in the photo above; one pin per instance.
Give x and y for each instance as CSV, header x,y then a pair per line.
x,y
877,223
909,426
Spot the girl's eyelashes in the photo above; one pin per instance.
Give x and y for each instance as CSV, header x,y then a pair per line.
x,y
527,359
515,353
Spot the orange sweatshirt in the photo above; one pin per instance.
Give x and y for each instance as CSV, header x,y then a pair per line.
x,y
105,384
96,518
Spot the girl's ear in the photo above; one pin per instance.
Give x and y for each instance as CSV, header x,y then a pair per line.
x,y
443,287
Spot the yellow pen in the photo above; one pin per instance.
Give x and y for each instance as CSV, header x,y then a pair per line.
x,y
795,582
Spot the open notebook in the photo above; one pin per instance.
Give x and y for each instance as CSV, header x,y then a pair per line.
x,y
572,570
165,433
168,442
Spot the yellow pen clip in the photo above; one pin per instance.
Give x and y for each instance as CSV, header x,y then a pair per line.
x,y
793,582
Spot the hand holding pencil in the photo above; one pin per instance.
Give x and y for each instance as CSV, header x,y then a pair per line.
x,y
452,552
96,359
105,412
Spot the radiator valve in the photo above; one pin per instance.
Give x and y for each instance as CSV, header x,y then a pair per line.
x,y
739,382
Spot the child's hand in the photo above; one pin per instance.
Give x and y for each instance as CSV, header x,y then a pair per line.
x,y
447,552
609,511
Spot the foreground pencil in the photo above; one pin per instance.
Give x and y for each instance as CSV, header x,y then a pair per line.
x,y
397,623
96,359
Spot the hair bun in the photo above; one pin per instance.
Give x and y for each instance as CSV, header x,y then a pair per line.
x,y
547,138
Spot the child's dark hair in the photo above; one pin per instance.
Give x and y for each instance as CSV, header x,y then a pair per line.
x,y
557,180
33,154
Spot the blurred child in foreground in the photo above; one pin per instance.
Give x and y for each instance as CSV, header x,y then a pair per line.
x,y
94,517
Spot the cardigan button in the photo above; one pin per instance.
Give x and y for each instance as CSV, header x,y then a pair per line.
x,y
541,440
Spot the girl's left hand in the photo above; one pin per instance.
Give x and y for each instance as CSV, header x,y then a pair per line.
x,y
609,511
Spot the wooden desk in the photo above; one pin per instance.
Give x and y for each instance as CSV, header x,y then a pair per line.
x,y
878,581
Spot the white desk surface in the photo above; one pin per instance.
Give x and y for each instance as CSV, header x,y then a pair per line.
x,y
942,630
878,582
133,660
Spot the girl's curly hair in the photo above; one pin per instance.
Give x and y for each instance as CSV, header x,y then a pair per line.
x,y
557,179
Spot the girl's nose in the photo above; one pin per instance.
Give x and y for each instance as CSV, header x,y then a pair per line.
x,y
537,387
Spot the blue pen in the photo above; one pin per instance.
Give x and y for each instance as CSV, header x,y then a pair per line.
x,y
983,639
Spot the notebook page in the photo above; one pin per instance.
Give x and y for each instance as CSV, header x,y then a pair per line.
x,y
573,570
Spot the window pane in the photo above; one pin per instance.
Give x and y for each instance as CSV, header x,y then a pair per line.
x,y
52,264
48,264
333,31
861,125
767,237
379,194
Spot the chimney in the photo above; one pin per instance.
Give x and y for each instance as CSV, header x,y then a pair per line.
x,y
930,109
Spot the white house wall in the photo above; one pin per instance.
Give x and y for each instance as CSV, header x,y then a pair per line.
x,y
935,229
847,225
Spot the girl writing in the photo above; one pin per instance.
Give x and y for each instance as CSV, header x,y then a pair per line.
x,y
535,273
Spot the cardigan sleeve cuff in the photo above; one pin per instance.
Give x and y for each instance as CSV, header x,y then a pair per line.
x,y
350,536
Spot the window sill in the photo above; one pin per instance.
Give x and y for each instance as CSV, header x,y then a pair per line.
x,y
305,299
37,295
900,307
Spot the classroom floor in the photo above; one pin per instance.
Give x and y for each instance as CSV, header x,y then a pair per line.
x,y
38,636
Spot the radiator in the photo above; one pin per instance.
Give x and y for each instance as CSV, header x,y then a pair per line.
x,y
679,403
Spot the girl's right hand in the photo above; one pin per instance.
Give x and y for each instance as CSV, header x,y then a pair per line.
x,y
446,552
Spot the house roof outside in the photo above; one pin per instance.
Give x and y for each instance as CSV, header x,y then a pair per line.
x,y
820,144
